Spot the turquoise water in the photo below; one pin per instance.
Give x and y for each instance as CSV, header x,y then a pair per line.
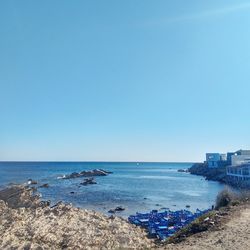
x,y
137,187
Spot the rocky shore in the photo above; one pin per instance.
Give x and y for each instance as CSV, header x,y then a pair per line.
x,y
217,174
28,223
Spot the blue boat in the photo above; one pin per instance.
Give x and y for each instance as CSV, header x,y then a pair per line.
x,y
163,225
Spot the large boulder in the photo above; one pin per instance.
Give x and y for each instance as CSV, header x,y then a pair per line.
x,y
19,196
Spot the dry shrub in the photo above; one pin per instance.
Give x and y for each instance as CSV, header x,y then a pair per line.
x,y
224,198
244,195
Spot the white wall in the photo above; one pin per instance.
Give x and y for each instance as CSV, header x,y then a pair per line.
x,y
240,159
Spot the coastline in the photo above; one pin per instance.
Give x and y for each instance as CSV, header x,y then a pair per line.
x,y
29,223
217,174
230,230
136,188
214,174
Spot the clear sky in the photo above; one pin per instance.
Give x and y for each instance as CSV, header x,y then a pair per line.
x,y
123,80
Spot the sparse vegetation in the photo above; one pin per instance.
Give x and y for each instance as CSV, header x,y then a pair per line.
x,y
201,224
228,197
224,202
224,198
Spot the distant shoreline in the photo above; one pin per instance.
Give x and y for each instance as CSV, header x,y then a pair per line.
x,y
134,162
217,174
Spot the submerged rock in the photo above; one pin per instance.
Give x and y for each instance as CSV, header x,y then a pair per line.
x,y
88,181
164,208
182,170
46,185
117,209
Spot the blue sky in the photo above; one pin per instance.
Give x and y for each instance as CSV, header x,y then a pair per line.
x,y
123,80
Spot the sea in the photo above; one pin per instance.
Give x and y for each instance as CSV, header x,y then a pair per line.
x,y
136,186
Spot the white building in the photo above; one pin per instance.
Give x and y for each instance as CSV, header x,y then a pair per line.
x,y
240,166
241,172
240,157
215,160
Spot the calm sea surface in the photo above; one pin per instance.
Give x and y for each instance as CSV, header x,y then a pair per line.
x,y
137,187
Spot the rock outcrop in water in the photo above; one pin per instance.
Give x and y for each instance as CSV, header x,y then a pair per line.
x,y
32,182
117,209
45,185
90,173
88,181
182,170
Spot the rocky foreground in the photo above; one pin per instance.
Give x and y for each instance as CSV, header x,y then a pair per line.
x,y
28,223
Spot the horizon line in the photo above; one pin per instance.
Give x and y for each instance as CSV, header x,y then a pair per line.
x,y
46,161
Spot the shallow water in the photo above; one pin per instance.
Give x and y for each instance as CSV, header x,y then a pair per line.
x,y
137,187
